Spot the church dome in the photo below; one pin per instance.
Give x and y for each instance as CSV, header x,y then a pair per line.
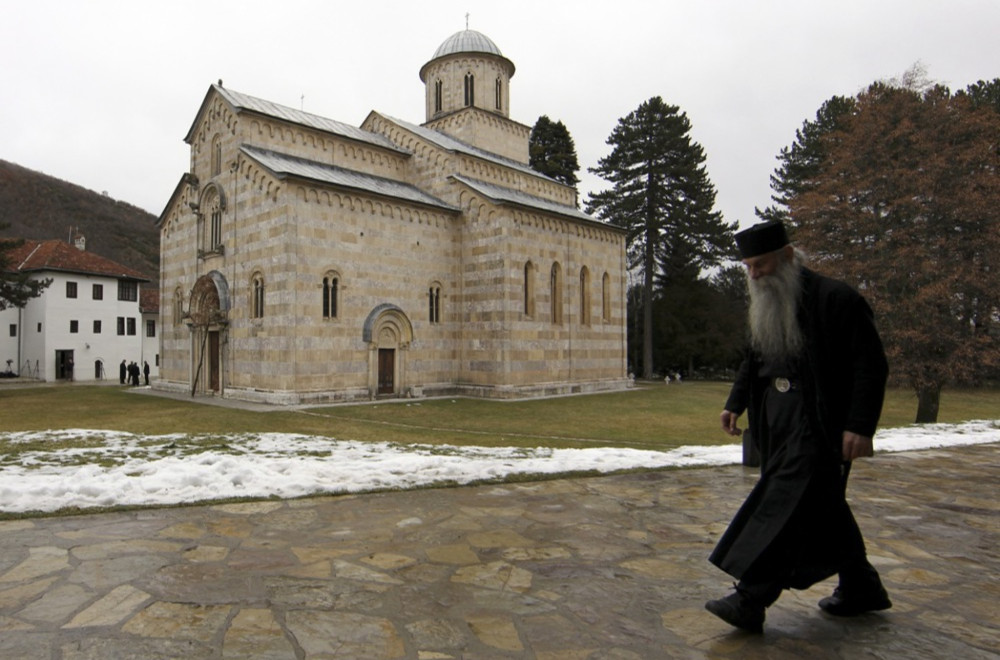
x,y
467,41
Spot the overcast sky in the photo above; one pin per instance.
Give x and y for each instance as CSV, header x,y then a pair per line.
x,y
102,92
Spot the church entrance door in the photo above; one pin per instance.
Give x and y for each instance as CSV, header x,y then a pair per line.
x,y
386,371
213,360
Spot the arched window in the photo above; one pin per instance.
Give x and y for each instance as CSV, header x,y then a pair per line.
x,y
434,303
331,289
555,293
499,93
529,289
215,240
470,92
216,155
606,297
210,219
584,296
438,85
178,305
257,296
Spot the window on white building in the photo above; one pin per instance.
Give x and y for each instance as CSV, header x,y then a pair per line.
x,y
128,291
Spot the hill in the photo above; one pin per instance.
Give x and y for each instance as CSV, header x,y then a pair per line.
x,y
41,207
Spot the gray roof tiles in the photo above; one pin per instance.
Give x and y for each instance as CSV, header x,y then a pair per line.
x,y
271,109
284,165
503,195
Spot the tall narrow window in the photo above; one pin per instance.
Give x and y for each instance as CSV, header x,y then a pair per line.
x,y
216,155
437,95
98,292
555,294
150,328
606,297
331,284
74,327
434,303
584,296
71,289
131,326
470,92
499,94
97,327
257,293
121,326
216,237
210,221
529,289
178,305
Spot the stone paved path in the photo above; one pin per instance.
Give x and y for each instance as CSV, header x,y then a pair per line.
x,y
598,568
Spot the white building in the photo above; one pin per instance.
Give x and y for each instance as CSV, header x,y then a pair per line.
x,y
84,324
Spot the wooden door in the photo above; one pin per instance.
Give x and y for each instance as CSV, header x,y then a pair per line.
x,y
213,361
386,371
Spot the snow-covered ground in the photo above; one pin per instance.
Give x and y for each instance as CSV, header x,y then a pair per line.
x,y
127,469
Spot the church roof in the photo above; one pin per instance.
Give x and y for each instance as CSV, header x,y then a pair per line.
x,y
445,141
502,195
283,165
247,103
56,255
467,41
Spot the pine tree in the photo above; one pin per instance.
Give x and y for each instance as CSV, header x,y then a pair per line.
x,y
801,162
662,195
16,288
552,152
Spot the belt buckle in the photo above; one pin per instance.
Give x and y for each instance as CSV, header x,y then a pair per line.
x,y
782,385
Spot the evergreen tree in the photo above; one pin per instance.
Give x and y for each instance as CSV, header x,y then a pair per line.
x,y
801,162
552,152
984,93
16,288
662,195
904,203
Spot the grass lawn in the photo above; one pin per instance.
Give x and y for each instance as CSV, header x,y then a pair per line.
x,y
650,416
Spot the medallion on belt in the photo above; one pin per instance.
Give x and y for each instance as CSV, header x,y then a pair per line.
x,y
782,385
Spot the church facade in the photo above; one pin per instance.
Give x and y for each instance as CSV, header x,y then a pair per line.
x,y
304,260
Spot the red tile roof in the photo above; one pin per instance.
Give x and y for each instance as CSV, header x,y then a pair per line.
x,y
61,256
149,301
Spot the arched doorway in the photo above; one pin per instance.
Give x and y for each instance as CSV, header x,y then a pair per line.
x,y
388,333
209,318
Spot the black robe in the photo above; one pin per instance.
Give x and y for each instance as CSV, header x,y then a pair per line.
x,y
795,528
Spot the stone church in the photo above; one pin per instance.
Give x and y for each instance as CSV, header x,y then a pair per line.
x,y
304,260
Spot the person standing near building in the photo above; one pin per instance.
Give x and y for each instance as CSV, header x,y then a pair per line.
x,y
145,371
122,372
812,384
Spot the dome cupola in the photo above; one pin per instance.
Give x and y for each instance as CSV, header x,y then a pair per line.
x,y
467,70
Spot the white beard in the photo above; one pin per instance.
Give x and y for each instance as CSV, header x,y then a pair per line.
x,y
774,299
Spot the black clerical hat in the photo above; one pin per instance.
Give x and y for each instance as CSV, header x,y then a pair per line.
x,y
761,239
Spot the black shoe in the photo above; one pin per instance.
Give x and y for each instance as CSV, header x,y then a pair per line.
x,y
738,610
853,603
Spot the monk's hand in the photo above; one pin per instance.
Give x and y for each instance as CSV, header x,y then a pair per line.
x,y
728,419
857,446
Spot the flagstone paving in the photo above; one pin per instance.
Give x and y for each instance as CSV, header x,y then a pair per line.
x,y
604,568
